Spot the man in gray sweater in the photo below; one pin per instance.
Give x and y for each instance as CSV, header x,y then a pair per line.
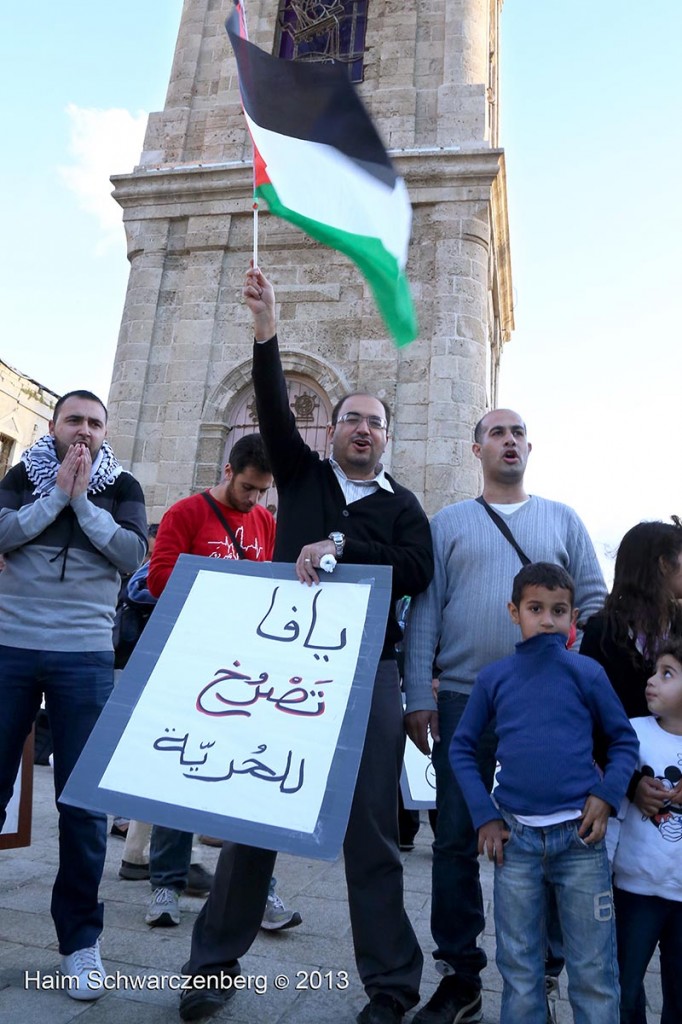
x,y
71,521
455,628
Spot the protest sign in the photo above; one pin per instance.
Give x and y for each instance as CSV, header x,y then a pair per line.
x,y
418,779
242,711
16,830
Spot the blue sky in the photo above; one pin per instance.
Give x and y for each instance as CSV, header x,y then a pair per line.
x,y
590,101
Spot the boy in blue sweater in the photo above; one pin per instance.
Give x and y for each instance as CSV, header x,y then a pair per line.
x,y
545,825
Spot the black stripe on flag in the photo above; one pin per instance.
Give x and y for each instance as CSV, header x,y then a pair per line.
x,y
310,101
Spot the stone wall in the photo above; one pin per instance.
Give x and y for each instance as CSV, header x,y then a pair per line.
x,y
184,345
25,411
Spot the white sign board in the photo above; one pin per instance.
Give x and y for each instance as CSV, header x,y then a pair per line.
x,y
243,708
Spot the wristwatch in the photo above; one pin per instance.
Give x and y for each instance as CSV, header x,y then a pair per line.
x,y
339,540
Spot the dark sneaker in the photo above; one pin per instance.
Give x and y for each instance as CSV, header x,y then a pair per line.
x,y
197,1004
451,1003
199,881
382,1009
211,841
130,872
204,1001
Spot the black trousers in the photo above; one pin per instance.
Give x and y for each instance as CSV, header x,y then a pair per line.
x,y
387,953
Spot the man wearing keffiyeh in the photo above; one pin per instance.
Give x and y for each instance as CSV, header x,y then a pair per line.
x,y
71,520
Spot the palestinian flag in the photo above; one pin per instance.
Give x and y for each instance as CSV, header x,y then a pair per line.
x,y
320,164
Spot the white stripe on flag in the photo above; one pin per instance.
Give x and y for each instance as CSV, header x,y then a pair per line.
x,y
319,182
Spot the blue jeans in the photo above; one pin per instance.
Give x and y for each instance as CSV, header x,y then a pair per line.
x,y
456,901
556,856
76,686
170,855
641,922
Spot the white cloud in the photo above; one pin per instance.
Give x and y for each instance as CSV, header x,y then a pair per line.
x,y
102,143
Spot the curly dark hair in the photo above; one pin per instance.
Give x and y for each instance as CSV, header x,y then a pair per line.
x,y
672,646
640,601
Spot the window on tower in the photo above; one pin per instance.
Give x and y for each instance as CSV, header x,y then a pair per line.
x,y
323,30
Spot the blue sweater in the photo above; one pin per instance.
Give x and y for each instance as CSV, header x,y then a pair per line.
x,y
546,701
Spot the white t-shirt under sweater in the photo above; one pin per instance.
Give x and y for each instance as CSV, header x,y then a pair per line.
x,y
649,853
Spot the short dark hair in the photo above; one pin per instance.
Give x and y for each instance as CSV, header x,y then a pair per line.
x,y
478,429
249,450
356,394
87,395
672,646
542,574
152,529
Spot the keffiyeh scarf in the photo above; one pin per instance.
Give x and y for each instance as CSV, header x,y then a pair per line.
x,y
42,466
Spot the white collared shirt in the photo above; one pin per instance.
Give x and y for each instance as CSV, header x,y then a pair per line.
x,y
354,490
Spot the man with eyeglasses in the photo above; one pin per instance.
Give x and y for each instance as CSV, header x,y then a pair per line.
x,y
348,507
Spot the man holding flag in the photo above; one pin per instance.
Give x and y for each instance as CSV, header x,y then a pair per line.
x,y
347,507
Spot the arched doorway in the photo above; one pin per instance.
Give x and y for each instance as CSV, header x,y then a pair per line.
x,y
309,404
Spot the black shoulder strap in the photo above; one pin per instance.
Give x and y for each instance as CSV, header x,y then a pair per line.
x,y
230,532
504,530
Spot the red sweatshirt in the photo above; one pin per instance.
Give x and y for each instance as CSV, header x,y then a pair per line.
x,y
191,527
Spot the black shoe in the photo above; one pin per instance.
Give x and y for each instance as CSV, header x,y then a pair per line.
x,y
451,1003
199,881
382,1009
130,872
197,1003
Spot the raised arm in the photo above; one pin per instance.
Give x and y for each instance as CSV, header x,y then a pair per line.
x,y
260,298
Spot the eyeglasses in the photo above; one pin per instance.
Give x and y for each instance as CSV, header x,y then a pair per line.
x,y
354,419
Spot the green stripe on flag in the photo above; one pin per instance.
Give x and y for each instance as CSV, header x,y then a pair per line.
x,y
388,283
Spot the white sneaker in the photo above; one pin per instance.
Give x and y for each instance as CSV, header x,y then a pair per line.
x,y
85,972
164,908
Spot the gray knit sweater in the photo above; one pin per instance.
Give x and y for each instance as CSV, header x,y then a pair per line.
x,y
59,588
463,615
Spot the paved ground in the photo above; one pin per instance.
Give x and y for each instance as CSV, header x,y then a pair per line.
x,y
312,957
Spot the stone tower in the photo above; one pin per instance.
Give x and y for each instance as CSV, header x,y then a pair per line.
x,y
181,385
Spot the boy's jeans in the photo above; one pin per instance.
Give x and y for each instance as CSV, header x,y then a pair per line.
x,y
535,858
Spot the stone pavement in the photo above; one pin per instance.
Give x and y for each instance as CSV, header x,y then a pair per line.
x,y
313,957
